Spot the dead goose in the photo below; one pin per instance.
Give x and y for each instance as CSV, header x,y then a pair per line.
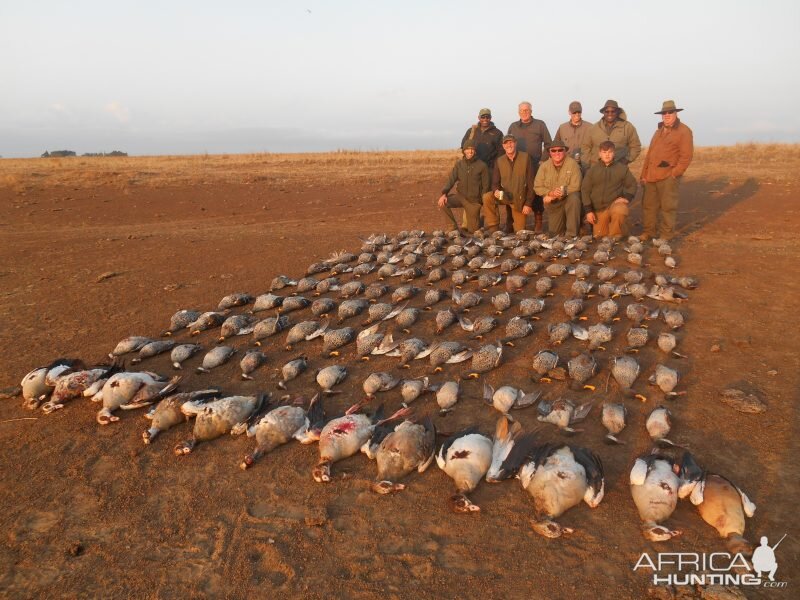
x,y
375,290
344,437
251,361
306,284
448,353
637,338
333,339
403,293
321,307
558,477
74,384
216,357
371,341
267,302
183,352
410,446
411,389
581,368
658,425
329,284
293,303
543,363
625,370
379,381
479,327
543,286
208,320
329,377
563,413
269,327
654,485
153,349
280,282
466,457
292,369
673,318
282,424
530,307
516,329
484,359
667,380
218,417
506,398
167,413
305,331
39,383
234,300
559,332
434,296
406,318
237,325
381,311
131,390
667,342
614,418
181,320
445,318
501,302
352,308
350,289
721,504
132,343
408,350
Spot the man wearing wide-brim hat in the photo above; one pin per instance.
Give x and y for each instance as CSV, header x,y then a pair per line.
x,y
613,126
666,161
558,182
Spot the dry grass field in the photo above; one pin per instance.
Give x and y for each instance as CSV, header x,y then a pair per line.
x,y
95,249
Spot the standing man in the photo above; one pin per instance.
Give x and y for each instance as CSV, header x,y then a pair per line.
x,y
471,178
573,132
488,142
533,138
607,189
488,138
666,161
615,127
512,185
559,183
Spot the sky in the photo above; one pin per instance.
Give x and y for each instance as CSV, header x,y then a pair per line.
x,y
180,77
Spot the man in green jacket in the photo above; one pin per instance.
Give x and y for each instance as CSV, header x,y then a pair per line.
x,y
607,189
615,127
512,185
471,178
559,183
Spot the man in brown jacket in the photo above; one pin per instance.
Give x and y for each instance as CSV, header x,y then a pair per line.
x,y
512,185
667,159
533,138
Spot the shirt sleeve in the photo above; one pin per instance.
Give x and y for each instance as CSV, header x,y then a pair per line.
x,y
586,190
685,152
547,141
634,144
629,186
539,185
452,180
529,194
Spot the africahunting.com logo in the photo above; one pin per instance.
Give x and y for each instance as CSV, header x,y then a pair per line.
x,y
715,568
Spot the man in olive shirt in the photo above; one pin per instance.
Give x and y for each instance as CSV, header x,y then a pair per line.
x,y
559,183
607,189
533,138
574,131
615,127
512,185
471,178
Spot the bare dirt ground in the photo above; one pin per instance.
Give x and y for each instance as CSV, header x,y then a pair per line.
x,y
91,511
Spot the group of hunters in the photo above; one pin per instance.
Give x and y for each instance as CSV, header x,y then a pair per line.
x,y
580,177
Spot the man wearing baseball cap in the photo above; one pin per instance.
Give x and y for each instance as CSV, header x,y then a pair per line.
x,y
574,131
613,126
667,159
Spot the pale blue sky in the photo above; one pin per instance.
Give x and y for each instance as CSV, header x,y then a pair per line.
x,y
175,77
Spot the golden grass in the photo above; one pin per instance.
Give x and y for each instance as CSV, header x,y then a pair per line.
x,y
764,161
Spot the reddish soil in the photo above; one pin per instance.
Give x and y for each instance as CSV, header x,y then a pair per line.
x,y
91,511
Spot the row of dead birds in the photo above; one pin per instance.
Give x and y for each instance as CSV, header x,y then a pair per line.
x,y
558,476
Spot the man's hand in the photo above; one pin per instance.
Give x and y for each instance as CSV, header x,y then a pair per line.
x,y
557,193
591,218
497,194
526,210
547,199
621,200
442,201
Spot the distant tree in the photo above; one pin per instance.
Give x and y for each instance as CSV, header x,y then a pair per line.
x,y
62,153
46,154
